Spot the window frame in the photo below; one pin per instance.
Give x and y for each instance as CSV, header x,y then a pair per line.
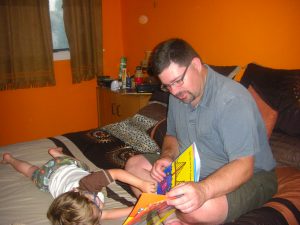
x,y
62,53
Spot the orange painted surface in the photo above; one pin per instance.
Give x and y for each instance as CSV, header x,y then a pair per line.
x,y
112,36
224,33
28,114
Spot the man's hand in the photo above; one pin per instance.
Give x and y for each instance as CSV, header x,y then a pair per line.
x,y
157,171
187,197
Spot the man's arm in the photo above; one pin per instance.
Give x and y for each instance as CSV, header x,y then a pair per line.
x,y
170,148
229,177
225,180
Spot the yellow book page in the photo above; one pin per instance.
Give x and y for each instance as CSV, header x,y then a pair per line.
x,y
183,167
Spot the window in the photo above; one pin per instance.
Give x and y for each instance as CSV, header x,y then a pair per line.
x,y
59,38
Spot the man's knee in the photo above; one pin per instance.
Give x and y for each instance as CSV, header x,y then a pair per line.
x,y
214,211
130,163
135,163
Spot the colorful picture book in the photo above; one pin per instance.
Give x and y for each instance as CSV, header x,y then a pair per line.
x,y
185,168
152,209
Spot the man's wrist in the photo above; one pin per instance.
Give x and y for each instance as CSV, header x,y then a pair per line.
x,y
167,156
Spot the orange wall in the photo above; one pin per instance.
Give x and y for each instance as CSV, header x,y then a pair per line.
x,y
28,114
223,32
112,36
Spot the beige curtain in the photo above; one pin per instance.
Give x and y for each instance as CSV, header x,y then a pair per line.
x,y
25,44
83,24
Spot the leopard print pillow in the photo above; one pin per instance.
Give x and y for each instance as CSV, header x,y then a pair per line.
x,y
133,131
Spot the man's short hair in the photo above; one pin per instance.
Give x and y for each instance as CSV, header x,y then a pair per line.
x,y
172,50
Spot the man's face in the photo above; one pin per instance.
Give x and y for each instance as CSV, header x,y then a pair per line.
x,y
184,82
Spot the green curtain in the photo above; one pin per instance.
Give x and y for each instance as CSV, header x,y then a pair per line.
x,y
83,24
25,44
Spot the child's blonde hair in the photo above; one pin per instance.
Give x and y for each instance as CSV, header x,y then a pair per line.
x,y
73,208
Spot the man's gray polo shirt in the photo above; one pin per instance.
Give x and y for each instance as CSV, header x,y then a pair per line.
x,y
225,125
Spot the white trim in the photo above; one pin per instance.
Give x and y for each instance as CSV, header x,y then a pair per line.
x,y
61,55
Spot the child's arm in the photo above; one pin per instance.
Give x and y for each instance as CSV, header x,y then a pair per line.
x,y
116,213
128,178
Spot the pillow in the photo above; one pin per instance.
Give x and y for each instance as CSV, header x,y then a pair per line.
x,y
133,132
154,110
158,132
227,71
160,96
268,114
279,88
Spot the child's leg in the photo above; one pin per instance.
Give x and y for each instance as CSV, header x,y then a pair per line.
x,y
19,165
56,152
68,160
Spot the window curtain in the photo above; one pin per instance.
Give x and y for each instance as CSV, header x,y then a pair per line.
x,y
83,25
25,44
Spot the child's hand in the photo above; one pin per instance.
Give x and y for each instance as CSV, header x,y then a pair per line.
x,y
149,187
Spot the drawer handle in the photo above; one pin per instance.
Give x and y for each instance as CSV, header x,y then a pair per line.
x,y
118,110
113,106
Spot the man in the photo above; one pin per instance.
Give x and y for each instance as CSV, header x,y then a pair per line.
x,y
221,117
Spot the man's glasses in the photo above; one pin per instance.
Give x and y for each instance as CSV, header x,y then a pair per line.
x,y
176,83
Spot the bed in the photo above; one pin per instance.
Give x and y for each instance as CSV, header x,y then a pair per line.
x,y
22,203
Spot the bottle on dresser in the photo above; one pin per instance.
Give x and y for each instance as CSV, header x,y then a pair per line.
x,y
138,77
123,64
124,77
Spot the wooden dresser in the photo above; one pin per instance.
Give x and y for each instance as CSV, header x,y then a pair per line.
x,y
116,106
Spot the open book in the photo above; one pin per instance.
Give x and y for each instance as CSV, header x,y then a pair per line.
x,y
152,209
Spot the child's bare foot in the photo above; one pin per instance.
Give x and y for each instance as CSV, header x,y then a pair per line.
x,y
149,187
6,158
56,152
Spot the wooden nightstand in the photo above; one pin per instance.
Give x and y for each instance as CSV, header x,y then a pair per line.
x,y
116,106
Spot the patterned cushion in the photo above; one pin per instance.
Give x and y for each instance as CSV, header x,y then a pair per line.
x,y
133,131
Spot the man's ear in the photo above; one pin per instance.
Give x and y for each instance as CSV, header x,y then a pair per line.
x,y
197,63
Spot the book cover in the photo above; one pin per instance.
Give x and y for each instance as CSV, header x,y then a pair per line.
x,y
185,168
152,209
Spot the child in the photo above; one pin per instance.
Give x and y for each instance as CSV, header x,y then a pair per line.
x,y
78,199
